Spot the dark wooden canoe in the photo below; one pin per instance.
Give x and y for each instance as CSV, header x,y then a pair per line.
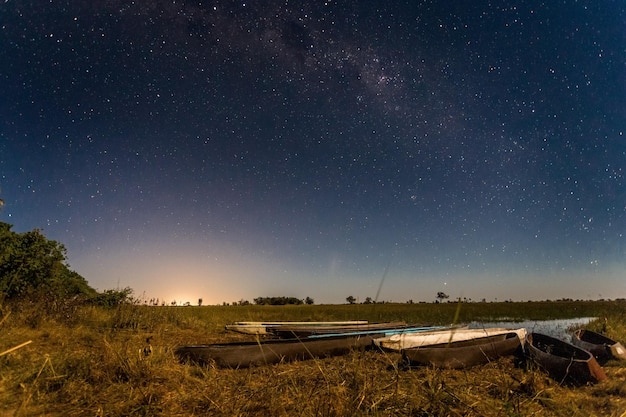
x,y
262,352
260,327
600,346
564,362
246,354
298,331
465,353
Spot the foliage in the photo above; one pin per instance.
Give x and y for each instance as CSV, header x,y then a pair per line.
x,y
277,301
32,265
113,298
350,299
442,296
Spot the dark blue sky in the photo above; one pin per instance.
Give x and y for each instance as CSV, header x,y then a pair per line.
x,y
230,150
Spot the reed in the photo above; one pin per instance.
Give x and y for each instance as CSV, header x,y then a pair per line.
x,y
95,364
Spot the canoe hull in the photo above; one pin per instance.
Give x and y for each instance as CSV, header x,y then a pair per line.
x,y
465,353
262,352
399,342
261,327
244,355
564,362
600,346
289,332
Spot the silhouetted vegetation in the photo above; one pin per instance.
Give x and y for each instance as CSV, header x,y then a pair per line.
x,y
113,298
32,266
277,301
34,270
442,296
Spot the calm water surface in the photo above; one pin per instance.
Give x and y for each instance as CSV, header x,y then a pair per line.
x,y
561,328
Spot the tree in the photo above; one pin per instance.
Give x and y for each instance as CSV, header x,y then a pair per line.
x,y
309,301
442,296
350,299
277,301
32,266
199,302
368,300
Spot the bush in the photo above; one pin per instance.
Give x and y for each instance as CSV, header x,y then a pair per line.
x,y
113,298
32,265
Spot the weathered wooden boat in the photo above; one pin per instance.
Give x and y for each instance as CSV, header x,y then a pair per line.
x,y
261,352
246,354
564,362
299,331
600,346
465,353
398,342
381,332
261,327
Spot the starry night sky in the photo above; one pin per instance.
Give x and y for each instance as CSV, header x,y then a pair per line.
x,y
226,150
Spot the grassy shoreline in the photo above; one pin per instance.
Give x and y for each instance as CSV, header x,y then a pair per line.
x,y
89,361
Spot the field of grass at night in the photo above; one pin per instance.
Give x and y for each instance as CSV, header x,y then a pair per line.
x,y
88,361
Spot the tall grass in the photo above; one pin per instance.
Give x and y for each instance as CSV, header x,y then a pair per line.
x,y
93,364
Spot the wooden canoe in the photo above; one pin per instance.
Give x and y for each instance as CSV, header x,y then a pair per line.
x,y
564,362
465,353
399,342
600,346
246,354
260,327
298,331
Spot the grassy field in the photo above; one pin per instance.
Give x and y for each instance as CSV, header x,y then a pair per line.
x,y
86,361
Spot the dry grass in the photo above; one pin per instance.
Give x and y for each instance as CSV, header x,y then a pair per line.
x,y
92,364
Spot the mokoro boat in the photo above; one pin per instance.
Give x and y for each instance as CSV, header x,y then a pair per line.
x,y
465,353
246,354
564,362
600,346
398,342
380,332
260,327
298,331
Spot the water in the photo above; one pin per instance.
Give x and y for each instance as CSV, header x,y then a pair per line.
x,y
560,329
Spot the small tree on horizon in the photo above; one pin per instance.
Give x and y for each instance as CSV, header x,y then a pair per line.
x,y
350,299
442,296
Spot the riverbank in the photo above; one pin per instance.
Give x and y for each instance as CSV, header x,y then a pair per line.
x,y
92,361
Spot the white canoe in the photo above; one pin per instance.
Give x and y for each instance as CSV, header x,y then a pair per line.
x,y
260,327
398,342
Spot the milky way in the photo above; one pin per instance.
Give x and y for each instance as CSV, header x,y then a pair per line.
x,y
230,150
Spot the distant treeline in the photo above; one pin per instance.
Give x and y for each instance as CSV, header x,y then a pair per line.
x,y
281,301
